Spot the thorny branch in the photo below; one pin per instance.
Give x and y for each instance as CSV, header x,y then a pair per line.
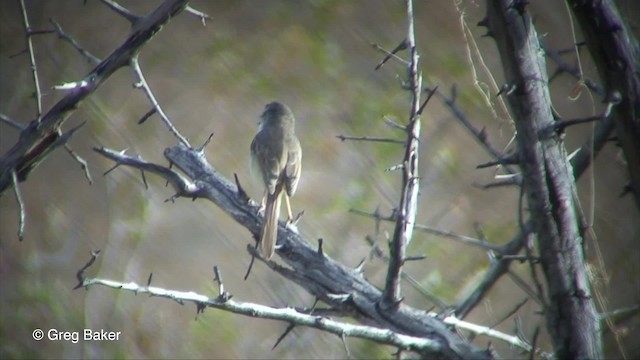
x,y
38,138
340,287
142,83
223,301
410,176
32,60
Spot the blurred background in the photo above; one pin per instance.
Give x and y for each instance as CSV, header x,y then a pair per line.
x,y
316,56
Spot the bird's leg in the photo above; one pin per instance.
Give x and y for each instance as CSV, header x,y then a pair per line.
x,y
263,203
289,213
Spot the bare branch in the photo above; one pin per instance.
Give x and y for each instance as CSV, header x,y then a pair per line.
x,y
290,315
563,67
62,35
37,139
392,124
32,61
120,10
411,280
142,83
408,206
483,330
7,120
21,215
83,163
462,238
368,138
80,272
203,17
182,185
391,54
479,134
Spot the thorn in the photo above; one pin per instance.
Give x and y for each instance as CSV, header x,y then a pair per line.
x,y
222,294
433,91
415,258
339,297
506,89
253,250
488,34
199,309
144,180
360,268
146,116
320,250
293,222
80,273
241,193
281,337
201,148
395,167
401,46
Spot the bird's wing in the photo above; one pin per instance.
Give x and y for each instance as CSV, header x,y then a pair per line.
x,y
294,166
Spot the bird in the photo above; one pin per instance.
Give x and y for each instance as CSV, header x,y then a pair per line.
x,y
276,156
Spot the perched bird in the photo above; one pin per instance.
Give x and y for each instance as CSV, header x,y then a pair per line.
x,y
277,157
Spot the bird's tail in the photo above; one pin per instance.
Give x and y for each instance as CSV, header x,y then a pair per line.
x,y
269,234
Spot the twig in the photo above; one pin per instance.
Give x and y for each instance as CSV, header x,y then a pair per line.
x,y
391,123
368,138
431,230
83,163
383,336
203,17
222,294
462,238
62,35
286,332
143,84
120,10
146,116
510,313
511,159
563,67
346,347
182,185
421,109
16,191
483,330
479,134
611,103
7,120
408,205
80,273
497,268
503,181
32,61
410,279
391,54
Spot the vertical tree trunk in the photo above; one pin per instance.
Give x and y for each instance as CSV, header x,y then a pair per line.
x,y
617,56
572,320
